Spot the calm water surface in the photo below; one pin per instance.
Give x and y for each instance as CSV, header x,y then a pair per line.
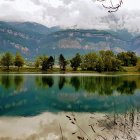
x,y
47,106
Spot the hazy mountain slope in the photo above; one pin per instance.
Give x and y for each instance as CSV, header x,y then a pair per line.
x,y
32,41
83,41
12,39
33,27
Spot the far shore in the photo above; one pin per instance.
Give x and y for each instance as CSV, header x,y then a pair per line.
x,y
68,72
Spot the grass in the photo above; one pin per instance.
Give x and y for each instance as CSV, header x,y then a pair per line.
x,y
131,69
57,70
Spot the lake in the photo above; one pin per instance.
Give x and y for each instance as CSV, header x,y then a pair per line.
x,y
69,106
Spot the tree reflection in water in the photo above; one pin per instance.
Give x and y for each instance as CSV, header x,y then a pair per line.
x,y
44,81
101,85
104,85
8,82
61,83
18,82
127,87
75,82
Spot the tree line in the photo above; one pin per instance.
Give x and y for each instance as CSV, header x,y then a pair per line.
x,y
100,61
8,60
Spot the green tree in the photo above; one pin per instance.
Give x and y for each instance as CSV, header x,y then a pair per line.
x,y
127,58
51,62
44,62
7,60
37,63
76,61
107,56
19,61
62,62
100,65
89,61
116,64
133,58
110,61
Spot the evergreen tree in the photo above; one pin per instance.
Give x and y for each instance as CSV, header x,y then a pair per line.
x,y
62,62
51,62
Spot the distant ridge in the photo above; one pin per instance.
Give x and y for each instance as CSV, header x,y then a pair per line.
x,y
32,39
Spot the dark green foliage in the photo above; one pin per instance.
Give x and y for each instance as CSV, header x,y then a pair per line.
x,y
100,65
7,60
46,62
51,62
62,62
110,61
100,62
104,61
89,61
76,61
128,58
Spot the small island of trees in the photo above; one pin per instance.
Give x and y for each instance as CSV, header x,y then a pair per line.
x,y
102,61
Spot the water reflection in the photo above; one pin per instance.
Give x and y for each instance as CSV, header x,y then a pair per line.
x,y
8,82
54,108
92,85
75,82
18,82
59,93
104,85
127,87
44,81
61,83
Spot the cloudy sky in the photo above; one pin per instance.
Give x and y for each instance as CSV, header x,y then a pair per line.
x,y
72,13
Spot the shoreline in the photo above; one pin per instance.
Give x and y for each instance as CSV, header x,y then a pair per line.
x,y
71,73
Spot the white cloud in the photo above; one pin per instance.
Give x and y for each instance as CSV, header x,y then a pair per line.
x,y
72,13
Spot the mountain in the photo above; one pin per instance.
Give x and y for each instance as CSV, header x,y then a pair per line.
x,y
12,39
32,39
33,27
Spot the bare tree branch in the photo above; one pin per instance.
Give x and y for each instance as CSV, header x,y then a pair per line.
x,y
112,8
